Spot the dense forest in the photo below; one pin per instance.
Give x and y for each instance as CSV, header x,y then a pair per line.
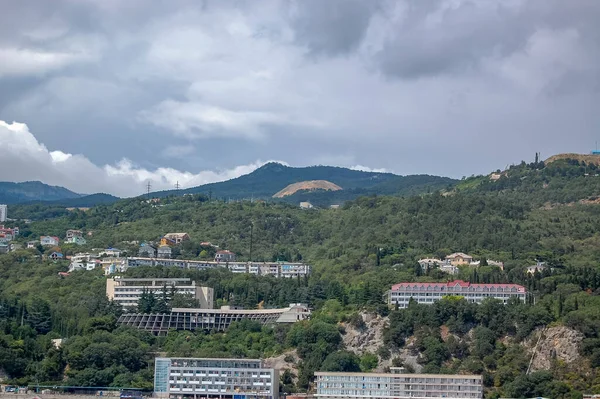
x,y
533,212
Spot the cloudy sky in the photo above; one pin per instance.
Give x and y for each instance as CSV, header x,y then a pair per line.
x,y
105,95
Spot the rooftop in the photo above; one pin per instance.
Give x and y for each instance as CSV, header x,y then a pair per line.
x,y
455,283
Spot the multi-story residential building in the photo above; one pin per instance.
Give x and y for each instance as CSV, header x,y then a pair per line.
x,y
49,241
397,385
224,256
127,291
428,293
211,319
164,252
429,263
7,233
214,378
3,213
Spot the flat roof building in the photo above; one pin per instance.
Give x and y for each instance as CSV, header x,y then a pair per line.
x,y
211,319
428,293
127,291
214,378
397,385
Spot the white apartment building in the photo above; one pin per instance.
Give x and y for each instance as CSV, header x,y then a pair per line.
x,y
428,293
397,385
3,213
214,378
127,291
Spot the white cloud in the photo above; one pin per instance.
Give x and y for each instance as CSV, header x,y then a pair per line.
x,y
24,158
17,62
367,169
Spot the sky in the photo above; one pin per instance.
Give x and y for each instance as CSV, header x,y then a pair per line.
x,y
107,95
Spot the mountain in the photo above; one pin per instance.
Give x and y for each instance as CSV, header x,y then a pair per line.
x,y
13,193
271,178
86,201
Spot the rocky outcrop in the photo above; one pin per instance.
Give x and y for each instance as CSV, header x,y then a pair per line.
x,y
311,185
556,343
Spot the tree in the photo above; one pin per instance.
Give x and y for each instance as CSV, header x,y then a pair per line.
x,y
39,316
146,302
341,361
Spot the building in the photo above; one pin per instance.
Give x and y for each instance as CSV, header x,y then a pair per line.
x,y
214,378
306,205
56,256
4,248
459,258
7,233
73,233
49,241
3,213
78,240
111,252
428,293
538,267
429,263
127,291
211,319
164,252
397,385
224,256
275,269
32,244
147,251
175,238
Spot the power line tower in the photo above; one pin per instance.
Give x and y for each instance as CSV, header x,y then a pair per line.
x,y
177,186
148,187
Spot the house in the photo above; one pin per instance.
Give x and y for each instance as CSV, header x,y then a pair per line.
x,y
459,258
178,238
334,206
224,256
78,240
73,233
32,244
450,269
306,205
4,248
147,251
167,241
164,252
538,267
56,256
208,244
429,263
49,240
7,233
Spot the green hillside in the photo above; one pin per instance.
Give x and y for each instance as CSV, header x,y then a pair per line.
x,y
267,180
12,193
357,252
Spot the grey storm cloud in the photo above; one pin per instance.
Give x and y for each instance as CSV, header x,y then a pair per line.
x,y
191,91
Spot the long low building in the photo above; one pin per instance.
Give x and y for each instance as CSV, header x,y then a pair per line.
x,y
214,379
127,291
427,293
397,385
276,269
211,319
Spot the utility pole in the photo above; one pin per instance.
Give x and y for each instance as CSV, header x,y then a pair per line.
x,y
251,237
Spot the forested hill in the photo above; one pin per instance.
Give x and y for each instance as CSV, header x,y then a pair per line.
x,y
358,251
267,180
12,193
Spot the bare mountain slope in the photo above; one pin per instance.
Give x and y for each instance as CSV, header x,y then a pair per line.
x,y
311,185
